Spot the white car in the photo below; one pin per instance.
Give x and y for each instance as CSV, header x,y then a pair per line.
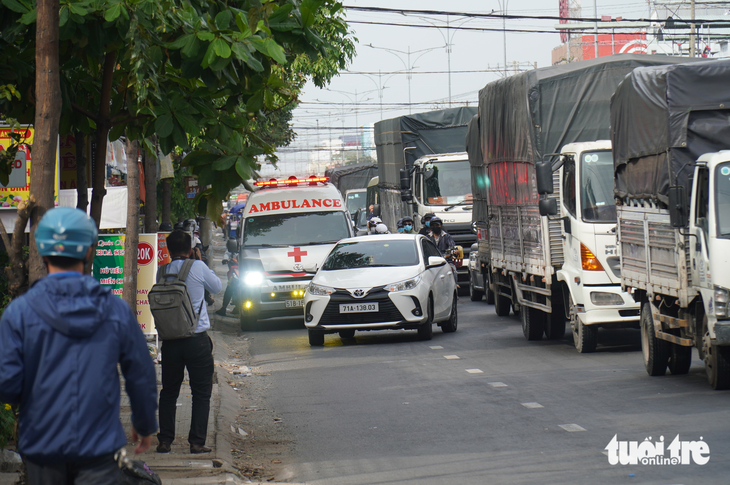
x,y
392,281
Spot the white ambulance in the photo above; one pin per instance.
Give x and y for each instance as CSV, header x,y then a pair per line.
x,y
287,229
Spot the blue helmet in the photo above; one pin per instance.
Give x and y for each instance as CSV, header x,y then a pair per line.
x,y
65,231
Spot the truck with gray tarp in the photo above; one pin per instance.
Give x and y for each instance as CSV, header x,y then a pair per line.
x,y
671,135
552,233
352,181
423,168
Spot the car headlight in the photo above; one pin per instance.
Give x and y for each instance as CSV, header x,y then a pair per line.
x,y
253,278
722,296
319,290
404,285
605,298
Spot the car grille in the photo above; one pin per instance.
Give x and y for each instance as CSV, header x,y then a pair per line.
x,y
387,311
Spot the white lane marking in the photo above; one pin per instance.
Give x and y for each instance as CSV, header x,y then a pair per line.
x,y
572,427
498,384
435,347
451,357
475,371
532,405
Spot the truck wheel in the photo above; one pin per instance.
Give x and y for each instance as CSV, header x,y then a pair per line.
x,y
555,322
655,351
425,330
453,321
680,359
585,337
717,363
490,293
474,294
501,305
533,323
316,338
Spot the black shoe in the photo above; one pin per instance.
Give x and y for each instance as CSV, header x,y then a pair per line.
x,y
221,312
163,447
196,449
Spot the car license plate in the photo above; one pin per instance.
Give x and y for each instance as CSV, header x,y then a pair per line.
x,y
294,303
358,307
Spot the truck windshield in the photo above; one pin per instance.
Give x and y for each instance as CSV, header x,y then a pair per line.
x,y
296,229
447,182
722,185
355,201
596,191
375,252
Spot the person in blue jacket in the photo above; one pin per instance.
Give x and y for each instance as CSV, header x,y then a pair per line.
x,y
60,344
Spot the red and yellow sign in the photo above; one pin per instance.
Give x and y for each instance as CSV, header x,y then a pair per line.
x,y
18,187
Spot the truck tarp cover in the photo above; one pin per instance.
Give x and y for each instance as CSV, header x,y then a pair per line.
x,y
537,112
432,132
663,119
352,176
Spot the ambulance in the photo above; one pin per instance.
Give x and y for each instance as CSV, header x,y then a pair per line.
x,y
286,230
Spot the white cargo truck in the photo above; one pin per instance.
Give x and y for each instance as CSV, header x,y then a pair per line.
x,y
672,184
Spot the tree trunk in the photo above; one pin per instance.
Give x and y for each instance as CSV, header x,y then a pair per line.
x,y
166,200
82,187
103,125
131,241
47,119
17,272
150,183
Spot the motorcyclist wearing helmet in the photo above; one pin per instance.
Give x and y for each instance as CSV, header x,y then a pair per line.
x,y
408,225
372,224
425,221
60,345
399,225
381,228
443,239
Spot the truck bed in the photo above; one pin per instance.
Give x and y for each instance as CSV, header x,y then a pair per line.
x,y
651,258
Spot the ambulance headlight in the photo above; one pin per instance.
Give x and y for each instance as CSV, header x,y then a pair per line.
x,y
253,278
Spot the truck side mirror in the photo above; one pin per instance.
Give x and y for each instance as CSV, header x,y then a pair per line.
x,y
677,206
544,177
406,195
548,207
405,180
376,210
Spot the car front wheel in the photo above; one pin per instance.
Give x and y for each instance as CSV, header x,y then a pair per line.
x,y
452,323
425,330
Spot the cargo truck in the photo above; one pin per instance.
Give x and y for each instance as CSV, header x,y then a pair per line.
x,y
671,132
423,168
555,259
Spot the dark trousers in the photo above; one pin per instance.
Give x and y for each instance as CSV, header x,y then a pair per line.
x,y
97,471
231,293
196,354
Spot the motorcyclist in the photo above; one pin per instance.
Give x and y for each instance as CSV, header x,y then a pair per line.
x,y
381,228
444,242
425,221
408,225
372,223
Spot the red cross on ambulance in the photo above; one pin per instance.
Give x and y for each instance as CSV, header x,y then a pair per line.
x,y
297,254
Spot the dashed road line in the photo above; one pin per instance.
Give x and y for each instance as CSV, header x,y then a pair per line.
x,y
475,371
532,405
572,428
498,384
451,357
435,347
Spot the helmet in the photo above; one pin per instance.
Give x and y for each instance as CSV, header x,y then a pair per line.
x,y
400,222
436,220
374,221
427,217
166,227
381,229
406,220
65,231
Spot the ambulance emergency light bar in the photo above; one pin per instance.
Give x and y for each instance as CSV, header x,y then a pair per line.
x,y
291,181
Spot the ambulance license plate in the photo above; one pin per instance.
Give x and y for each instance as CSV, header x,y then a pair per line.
x,y
293,303
358,307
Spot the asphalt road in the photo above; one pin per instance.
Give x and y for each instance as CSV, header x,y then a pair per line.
x,y
482,406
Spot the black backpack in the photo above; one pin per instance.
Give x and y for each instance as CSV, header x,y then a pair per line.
x,y
171,305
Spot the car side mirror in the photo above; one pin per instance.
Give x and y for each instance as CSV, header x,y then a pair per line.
x,y
435,261
548,207
232,246
677,206
544,177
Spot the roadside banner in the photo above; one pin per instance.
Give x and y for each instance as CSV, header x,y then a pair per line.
x,y
147,257
163,255
109,262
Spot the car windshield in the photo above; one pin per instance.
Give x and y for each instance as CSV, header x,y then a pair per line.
x,y
722,184
447,182
372,253
355,201
296,229
596,191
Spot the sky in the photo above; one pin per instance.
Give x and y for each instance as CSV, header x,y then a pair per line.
x,y
375,85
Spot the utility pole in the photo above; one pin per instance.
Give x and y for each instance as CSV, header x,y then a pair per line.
x,y
595,26
692,52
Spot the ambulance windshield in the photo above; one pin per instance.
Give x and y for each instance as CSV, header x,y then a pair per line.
x,y
296,229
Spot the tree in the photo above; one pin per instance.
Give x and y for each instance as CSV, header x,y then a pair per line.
x,y
181,70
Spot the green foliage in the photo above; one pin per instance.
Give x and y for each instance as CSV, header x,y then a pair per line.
x,y
180,206
219,72
7,424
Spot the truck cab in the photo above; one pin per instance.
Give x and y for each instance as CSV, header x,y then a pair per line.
x,y
591,261
441,184
287,229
